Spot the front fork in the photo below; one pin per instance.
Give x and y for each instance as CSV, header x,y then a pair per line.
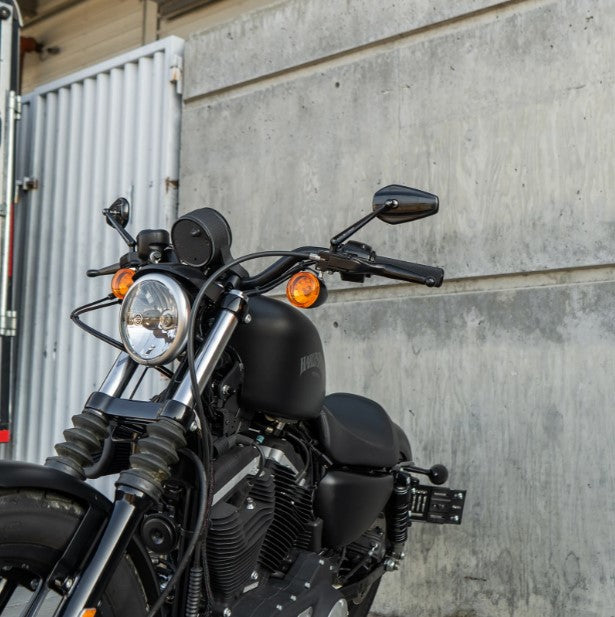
x,y
140,486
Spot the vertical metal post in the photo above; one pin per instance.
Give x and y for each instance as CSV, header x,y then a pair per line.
x,y
7,155
10,111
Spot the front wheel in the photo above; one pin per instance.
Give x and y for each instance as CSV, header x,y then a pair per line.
x,y
35,527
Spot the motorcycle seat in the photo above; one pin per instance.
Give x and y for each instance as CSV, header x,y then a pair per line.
x,y
356,431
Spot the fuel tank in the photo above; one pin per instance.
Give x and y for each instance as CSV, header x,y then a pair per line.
x,y
283,361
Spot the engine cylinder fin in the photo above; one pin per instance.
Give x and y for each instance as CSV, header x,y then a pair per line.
x,y
235,538
259,529
293,511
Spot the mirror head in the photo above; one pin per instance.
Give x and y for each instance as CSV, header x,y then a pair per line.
x,y
411,203
119,211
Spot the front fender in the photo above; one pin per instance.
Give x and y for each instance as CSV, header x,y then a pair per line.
x,y
15,475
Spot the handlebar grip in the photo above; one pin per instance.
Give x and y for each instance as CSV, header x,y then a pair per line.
x,y
408,271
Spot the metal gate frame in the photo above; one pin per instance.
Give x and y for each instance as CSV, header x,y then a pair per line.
x,y
107,131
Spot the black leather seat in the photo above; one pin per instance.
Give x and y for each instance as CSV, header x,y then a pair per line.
x,y
357,431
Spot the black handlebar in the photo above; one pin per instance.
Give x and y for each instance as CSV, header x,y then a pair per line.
x,y
278,268
343,261
349,262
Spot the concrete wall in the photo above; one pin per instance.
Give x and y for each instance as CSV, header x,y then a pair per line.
x,y
296,114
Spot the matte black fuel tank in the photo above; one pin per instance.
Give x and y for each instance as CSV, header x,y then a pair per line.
x,y
283,359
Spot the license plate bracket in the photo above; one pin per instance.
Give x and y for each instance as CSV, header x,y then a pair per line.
x,y
436,504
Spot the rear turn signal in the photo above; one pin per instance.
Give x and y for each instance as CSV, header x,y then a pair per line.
x,y
121,282
305,290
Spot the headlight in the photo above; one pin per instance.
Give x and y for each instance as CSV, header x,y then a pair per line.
x,y
154,319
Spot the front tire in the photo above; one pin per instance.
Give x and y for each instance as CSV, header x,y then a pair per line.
x,y
35,527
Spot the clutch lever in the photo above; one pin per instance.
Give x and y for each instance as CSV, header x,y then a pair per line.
x,y
129,260
112,269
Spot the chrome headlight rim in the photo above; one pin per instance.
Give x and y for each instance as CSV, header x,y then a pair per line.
x,y
182,302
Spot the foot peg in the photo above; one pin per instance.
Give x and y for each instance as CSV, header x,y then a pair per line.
x,y
438,474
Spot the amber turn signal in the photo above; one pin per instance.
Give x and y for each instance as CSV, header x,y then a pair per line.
x,y
88,612
304,290
121,282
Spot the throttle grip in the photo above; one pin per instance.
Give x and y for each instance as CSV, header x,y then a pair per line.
x,y
408,271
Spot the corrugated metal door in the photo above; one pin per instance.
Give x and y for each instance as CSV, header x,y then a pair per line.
x,y
109,131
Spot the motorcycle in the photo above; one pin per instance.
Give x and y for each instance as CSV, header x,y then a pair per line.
x,y
243,490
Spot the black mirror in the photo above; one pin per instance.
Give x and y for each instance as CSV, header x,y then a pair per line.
x,y
119,211
412,204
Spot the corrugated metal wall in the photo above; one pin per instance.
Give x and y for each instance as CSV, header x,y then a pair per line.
x,y
109,131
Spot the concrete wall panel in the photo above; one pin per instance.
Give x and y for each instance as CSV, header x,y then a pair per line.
x,y
518,151
507,388
290,34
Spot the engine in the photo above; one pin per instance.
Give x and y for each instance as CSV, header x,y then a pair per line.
x,y
262,515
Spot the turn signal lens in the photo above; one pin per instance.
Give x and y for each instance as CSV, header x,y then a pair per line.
x,y
121,282
303,289
88,612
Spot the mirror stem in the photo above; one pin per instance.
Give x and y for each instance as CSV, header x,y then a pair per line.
x,y
130,241
337,240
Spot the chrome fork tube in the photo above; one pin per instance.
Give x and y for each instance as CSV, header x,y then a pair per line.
x,y
119,376
213,348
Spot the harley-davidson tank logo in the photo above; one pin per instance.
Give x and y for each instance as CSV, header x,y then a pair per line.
x,y
313,360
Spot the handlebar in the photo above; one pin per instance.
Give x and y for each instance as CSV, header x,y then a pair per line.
x,y
278,268
356,260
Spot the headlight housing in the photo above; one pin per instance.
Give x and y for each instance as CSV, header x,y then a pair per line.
x,y
154,319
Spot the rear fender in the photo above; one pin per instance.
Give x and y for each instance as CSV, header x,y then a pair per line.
x,y
16,475
403,443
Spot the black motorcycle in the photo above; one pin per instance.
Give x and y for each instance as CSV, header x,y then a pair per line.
x,y
243,490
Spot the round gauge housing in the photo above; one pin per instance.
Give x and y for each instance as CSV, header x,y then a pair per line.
x,y
201,237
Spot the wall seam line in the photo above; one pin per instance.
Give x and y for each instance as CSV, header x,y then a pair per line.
x,y
560,277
